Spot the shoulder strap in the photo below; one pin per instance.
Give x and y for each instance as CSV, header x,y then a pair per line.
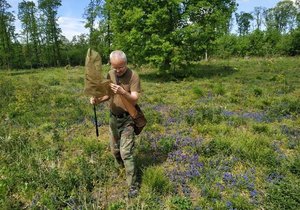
x,y
113,76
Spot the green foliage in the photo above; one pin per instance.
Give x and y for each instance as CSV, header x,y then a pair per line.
x,y
294,48
243,21
284,195
255,149
226,46
204,114
219,89
117,205
154,116
28,16
198,91
258,43
166,145
239,202
6,92
216,146
257,92
172,35
50,30
167,34
180,203
155,181
294,166
260,128
7,35
285,107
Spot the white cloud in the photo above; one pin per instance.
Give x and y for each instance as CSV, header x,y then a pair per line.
x,y
71,26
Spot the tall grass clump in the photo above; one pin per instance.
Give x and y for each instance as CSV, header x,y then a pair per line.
x,y
198,91
156,181
179,203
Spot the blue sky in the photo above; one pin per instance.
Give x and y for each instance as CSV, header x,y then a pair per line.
x,y
71,22
248,5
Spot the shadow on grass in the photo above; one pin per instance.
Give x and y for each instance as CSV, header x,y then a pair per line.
x,y
30,71
146,159
22,72
191,71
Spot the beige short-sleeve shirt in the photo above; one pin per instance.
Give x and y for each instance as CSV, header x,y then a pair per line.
x,y
130,81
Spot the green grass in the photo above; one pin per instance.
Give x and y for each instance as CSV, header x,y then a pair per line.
x,y
222,134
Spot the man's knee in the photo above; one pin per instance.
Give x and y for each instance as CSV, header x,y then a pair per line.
x,y
127,143
126,154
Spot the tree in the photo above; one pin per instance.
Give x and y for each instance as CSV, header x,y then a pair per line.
x,y
140,28
297,5
286,14
256,43
226,46
244,22
168,33
92,12
295,42
77,49
100,34
282,17
258,15
51,30
269,16
7,34
27,15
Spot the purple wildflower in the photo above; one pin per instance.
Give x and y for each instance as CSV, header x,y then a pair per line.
x,y
228,178
274,177
253,193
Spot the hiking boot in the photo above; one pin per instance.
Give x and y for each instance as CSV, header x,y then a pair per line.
x,y
133,192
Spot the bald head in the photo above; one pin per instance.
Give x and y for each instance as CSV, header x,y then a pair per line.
x,y
118,56
118,62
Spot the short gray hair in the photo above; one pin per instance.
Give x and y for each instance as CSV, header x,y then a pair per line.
x,y
118,54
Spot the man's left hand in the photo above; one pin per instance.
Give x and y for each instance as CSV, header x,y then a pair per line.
x,y
117,89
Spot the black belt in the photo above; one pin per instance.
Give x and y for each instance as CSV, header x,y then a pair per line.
x,y
125,114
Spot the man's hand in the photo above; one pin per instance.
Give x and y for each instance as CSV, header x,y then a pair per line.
x,y
117,89
95,100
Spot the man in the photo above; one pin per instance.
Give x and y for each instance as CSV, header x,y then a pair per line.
x,y
126,84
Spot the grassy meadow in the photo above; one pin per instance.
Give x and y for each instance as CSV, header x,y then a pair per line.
x,y
223,134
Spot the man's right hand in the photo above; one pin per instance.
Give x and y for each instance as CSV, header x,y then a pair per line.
x,y
95,100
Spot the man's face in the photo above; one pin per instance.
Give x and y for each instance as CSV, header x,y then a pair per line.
x,y
119,66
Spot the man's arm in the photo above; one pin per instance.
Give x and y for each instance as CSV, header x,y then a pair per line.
x,y
132,97
95,100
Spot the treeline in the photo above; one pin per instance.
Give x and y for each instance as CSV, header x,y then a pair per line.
x,y
39,44
263,32
168,34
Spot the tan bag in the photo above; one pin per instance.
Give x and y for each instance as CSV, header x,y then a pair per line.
x,y
140,120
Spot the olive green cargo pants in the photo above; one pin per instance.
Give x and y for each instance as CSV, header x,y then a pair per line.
x,y
122,145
